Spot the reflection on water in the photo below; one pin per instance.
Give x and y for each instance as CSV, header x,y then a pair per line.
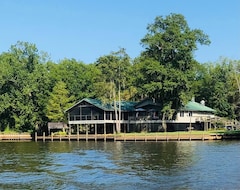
x,y
120,165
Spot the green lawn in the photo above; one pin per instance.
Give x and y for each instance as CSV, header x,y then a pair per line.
x,y
173,133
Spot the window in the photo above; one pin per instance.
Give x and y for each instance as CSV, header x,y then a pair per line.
x,y
190,113
181,113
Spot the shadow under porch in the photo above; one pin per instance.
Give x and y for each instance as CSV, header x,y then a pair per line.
x,y
95,129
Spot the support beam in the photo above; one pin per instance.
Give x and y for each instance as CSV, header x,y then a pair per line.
x,y
95,125
86,127
104,131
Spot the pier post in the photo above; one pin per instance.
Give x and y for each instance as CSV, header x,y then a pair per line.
x,y
95,132
86,132
77,132
43,136
105,132
51,136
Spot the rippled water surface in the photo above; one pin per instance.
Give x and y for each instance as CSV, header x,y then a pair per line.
x,y
120,165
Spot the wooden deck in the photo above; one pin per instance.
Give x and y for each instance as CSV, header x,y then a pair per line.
x,y
128,137
15,137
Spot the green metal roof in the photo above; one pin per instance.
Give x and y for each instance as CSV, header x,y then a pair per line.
x,y
125,105
99,104
195,106
130,106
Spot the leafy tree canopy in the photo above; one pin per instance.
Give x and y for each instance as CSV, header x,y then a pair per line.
x,y
58,102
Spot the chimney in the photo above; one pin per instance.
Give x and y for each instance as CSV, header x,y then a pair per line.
x,y
202,102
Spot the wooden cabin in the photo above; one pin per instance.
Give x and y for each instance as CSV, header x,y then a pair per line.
x,y
94,117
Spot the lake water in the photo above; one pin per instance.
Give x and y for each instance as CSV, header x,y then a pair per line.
x,y
120,165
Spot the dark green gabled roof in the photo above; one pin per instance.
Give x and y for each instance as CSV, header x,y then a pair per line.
x,y
125,106
131,106
99,104
194,106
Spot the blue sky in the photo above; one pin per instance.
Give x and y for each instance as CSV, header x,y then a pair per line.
x,y
87,29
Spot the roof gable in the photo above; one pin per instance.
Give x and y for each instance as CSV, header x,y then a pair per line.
x,y
94,102
147,103
125,105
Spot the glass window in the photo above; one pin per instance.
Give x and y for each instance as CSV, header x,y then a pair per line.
x,y
181,113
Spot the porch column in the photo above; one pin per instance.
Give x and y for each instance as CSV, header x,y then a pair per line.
x,y
70,128
95,131
104,131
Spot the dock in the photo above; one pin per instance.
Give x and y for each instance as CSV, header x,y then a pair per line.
x,y
15,137
112,137
128,137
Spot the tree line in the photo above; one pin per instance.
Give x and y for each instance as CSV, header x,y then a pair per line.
x,y
35,90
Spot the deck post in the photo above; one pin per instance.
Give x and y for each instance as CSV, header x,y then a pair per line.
x,y
36,137
95,125
114,131
104,129
69,133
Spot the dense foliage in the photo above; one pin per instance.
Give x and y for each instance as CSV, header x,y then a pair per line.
x,y
34,90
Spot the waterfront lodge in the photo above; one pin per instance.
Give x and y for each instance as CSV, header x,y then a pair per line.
x,y
91,116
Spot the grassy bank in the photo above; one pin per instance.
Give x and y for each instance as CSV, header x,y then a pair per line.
x,y
173,133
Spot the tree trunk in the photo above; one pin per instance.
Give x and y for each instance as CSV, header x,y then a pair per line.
x,y
164,125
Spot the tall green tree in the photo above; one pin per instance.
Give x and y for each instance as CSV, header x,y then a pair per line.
x,y
114,80
59,101
218,85
78,77
19,92
115,68
167,66
171,41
